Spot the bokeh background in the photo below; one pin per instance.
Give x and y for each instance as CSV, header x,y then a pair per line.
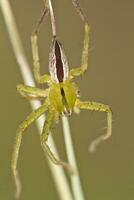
x,y
108,174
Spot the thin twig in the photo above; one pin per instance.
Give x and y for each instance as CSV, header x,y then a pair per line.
x,y
57,171
75,178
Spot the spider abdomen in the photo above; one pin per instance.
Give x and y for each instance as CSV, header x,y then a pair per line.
x,y
58,65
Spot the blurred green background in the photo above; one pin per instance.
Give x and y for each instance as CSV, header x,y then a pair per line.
x,y
109,173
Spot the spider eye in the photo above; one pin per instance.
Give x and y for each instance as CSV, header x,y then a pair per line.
x,y
78,93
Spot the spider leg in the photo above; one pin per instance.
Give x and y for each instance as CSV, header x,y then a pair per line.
x,y
79,10
30,119
94,106
43,16
31,92
39,78
84,59
46,148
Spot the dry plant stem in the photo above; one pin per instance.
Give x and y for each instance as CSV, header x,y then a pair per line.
x,y
57,171
75,178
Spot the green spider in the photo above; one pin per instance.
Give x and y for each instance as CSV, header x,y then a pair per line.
x,y
62,95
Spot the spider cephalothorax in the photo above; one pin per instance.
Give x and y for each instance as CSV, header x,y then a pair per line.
x,y
63,96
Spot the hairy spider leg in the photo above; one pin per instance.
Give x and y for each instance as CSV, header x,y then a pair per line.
x,y
31,92
94,106
39,78
84,59
36,62
79,10
44,137
25,124
43,16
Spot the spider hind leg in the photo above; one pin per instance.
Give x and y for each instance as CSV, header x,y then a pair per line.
x,y
25,124
45,146
94,106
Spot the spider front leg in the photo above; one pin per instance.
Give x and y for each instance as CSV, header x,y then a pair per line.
x,y
80,10
31,92
100,108
30,119
44,137
39,78
84,59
